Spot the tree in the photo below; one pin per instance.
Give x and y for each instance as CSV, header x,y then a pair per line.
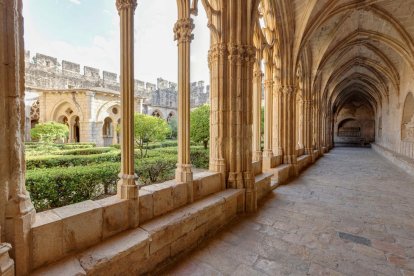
x,y
49,132
200,125
149,129
173,126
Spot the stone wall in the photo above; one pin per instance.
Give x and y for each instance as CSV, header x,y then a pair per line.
x,y
47,72
355,123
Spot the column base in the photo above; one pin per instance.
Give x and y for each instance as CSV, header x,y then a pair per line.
x,y
127,187
267,159
183,173
289,159
219,165
257,156
20,216
251,192
6,263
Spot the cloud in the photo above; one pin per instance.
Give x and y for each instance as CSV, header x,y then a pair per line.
x,y
77,2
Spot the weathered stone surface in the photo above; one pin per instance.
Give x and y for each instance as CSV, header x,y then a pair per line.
x,y
295,231
115,255
162,197
115,215
47,239
67,267
82,225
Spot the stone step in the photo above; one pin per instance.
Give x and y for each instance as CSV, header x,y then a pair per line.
x,y
154,243
263,184
281,173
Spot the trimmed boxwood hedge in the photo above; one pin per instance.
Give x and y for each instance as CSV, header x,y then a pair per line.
x,y
71,160
56,187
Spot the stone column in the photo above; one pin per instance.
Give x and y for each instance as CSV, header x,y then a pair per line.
x,y
307,118
127,185
16,209
268,113
257,110
289,124
276,146
6,264
114,133
183,34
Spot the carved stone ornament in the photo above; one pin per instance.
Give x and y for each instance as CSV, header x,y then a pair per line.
x,y
125,4
183,30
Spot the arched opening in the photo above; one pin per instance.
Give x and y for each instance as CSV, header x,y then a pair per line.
x,y
108,132
407,123
157,113
74,131
355,123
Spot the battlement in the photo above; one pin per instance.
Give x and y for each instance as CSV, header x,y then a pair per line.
x,y
43,71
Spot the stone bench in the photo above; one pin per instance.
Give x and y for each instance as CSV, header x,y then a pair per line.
x,y
154,243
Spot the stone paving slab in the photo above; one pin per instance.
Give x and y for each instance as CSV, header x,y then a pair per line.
x,y
351,213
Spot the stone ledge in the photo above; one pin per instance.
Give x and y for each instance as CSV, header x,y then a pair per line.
x,y
281,173
303,162
154,243
108,217
263,184
405,163
257,167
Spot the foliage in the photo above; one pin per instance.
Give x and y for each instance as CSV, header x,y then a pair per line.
x,y
51,161
174,128
49,132
153,170
200,157
51,188
200,125
149,129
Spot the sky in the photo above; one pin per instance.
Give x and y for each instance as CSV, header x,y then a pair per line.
x,y
87,32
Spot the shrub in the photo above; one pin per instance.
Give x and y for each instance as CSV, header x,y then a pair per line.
x,y
200,157
71,160
49,132
51,188
87,151
153,170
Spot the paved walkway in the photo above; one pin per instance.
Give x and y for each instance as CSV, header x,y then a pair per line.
x,y
352,213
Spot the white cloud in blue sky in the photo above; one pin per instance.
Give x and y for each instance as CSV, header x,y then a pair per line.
x,y
87,32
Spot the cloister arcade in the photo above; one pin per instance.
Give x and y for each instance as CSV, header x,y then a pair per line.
x,y
338,71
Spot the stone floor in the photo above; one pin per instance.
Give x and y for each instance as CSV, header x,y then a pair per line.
x,y
352,213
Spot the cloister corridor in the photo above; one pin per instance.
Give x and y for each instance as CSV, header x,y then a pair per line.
x,y
351,213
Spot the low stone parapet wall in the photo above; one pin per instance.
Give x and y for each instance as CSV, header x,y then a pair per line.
x,y
405,163
61,232
155,243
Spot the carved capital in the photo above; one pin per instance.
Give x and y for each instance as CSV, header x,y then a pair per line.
x,y
126,4
257,74
268,84
288,90
183,29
